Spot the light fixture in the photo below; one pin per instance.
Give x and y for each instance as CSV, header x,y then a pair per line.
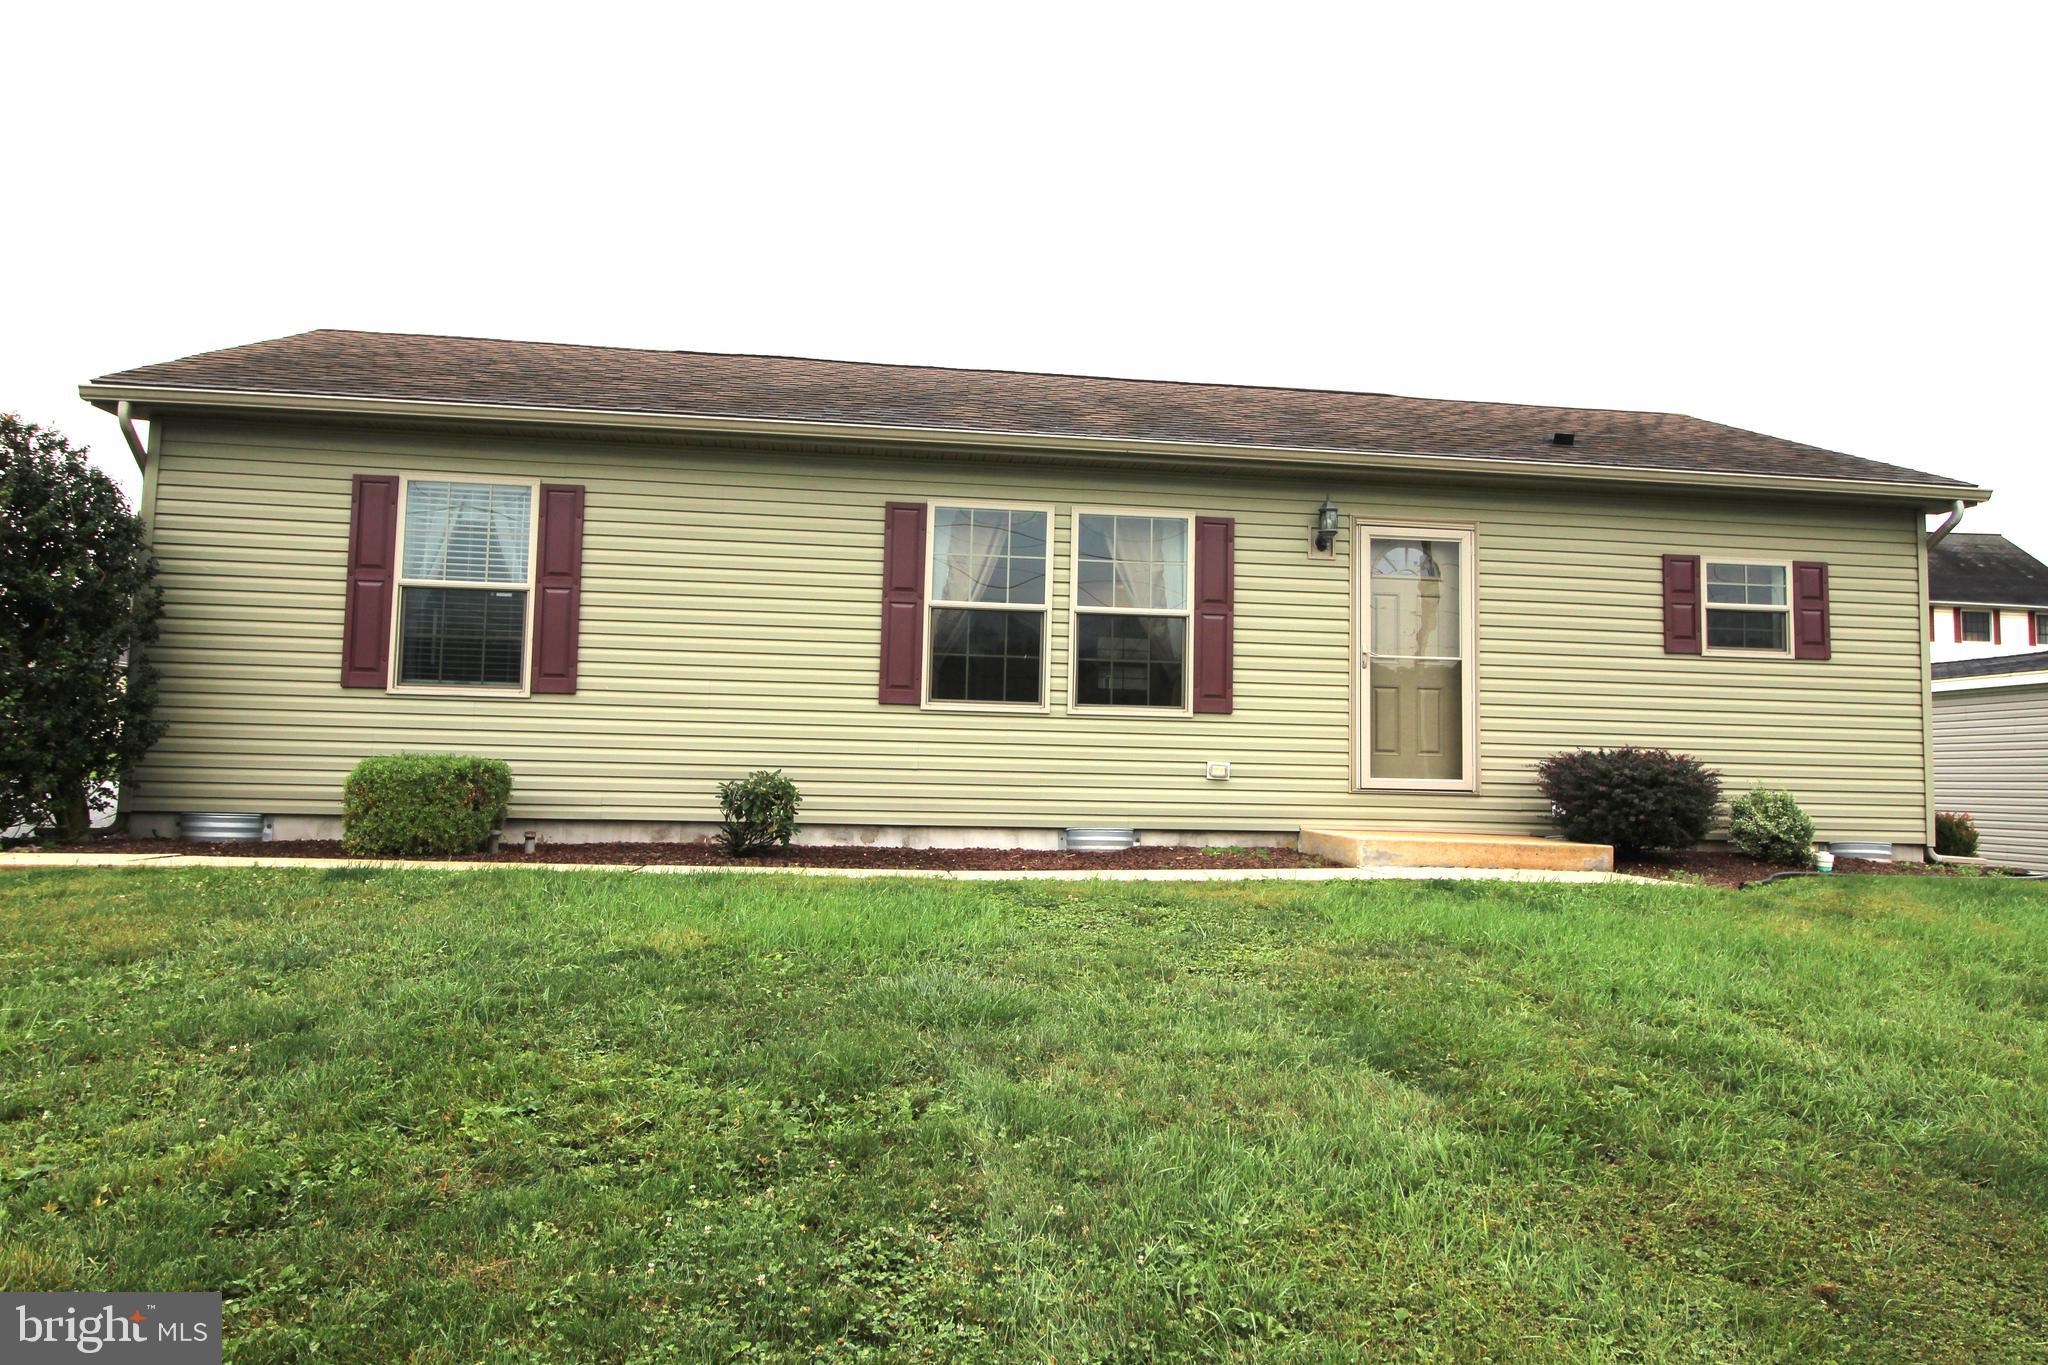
x,y
1326,525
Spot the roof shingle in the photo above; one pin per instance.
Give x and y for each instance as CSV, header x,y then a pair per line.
x,y
381,365
1985,569
1992,666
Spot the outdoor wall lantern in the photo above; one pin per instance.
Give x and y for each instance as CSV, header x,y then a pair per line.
x,y
1326,524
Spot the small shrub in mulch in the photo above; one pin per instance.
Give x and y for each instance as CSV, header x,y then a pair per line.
x,y
1770,825
760,813
1955,834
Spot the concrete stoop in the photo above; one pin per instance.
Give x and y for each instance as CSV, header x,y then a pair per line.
x,y
1354,846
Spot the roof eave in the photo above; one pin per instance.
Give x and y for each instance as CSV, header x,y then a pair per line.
x,y
1984,603
147,397
1985,682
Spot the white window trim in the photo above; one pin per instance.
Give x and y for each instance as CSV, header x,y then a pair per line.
x,y
931,604
400,583
1991,624
1362,535
1075,611
1769,561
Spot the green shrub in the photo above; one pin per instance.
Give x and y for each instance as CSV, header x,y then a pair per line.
x,y
760,813
405,805
1955,834
1634,799
1769,824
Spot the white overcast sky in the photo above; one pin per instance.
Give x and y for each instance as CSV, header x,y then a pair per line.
x,y
1823,222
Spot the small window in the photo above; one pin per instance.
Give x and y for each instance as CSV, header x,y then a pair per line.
x,y
1747,607
464,584
2040,631
1131,602
988,605
1974,627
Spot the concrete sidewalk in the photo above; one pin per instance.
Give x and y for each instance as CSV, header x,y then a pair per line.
x,y
10,861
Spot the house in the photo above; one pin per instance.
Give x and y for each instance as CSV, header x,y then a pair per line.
x,y
974,606
1991,751
1987,596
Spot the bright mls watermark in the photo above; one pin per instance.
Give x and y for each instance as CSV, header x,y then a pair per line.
x,y
170,1329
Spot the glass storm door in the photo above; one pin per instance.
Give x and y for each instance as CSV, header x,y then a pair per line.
x,y
1415,668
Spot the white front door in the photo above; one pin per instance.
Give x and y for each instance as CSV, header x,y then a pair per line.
x,y
1416,634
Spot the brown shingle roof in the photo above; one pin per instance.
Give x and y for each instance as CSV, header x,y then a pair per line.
x,y
1992,666
381,365
1985,569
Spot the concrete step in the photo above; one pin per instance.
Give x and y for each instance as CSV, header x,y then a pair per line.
x,y
1357,846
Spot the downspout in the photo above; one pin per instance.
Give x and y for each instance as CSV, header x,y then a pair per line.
x,y
1934,537
141,452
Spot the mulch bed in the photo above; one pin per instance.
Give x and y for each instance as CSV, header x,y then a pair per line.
x,y
1713,868
1736,869
1151,858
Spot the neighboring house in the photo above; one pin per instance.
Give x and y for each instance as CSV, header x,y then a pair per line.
x,y
983,606
1986,596
1991,751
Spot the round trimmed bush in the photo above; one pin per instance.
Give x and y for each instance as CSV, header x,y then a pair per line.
x,y
1635,799
1769,824
413,805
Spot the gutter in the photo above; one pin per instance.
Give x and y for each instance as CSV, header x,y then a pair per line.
x,y
1220,453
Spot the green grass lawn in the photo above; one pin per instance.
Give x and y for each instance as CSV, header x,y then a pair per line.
x,y
516,1115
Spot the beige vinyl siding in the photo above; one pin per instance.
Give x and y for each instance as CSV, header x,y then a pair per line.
x,y
731,620
1991,759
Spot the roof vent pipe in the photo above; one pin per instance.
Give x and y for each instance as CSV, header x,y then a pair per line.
x,y
1564,438
1940,533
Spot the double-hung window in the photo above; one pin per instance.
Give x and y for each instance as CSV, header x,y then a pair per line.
x,y
1132,591
1748,609
988,604
465,583
1973,627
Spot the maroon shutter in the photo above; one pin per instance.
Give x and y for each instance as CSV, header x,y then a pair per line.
x,y
1681,604
372,575
1215,612
902,667
1810,611
558,587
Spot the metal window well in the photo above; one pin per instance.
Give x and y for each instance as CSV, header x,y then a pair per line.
x,y
1099,840
218,827
1858,848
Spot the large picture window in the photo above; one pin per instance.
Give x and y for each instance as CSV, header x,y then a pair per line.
x,y
988,604
1748,608
1131,604
465,582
